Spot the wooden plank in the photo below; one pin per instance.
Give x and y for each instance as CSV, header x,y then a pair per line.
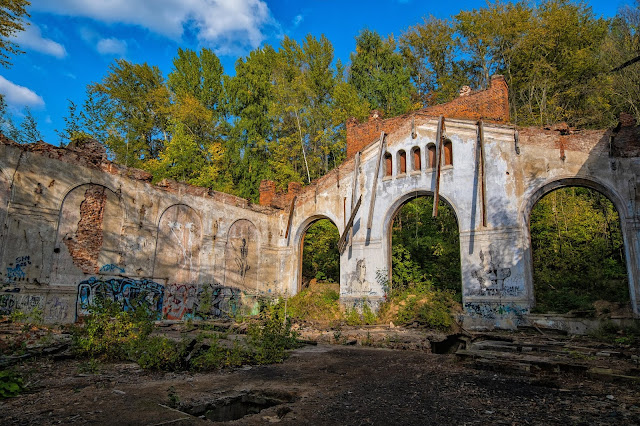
x,y
439,137
375,181
342,243
483,183
293,204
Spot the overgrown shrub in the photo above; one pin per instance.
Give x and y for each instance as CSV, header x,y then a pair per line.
x,y
314,305
272,336
161,353
111,333
423,304
11,384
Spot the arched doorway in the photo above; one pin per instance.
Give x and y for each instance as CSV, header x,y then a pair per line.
x,y
578,253
319,255
424,249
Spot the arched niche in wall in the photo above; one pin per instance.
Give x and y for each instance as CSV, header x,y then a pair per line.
x,y
431,156
402,162
178,244
88,235
448,153
241,256
388,164
416,159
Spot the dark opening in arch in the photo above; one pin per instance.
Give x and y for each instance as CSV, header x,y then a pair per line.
x,y
320,256
578,253
425,250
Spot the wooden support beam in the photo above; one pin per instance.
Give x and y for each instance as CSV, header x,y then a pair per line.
x,y
375,180
439,137
483,183
293,204
354,187
342,243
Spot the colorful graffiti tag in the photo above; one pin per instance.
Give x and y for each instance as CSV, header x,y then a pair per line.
x,y
127,292
181,301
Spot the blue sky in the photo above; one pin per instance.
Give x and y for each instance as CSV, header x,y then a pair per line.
x,y
71,43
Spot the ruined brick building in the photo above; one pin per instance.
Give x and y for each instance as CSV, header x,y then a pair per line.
x,y
74,224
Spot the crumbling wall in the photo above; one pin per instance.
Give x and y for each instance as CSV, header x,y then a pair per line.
x,y
97,228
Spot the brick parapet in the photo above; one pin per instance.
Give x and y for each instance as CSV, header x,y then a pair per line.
x,y
491,104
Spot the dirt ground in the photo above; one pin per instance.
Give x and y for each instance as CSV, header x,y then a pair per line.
x,y
321,384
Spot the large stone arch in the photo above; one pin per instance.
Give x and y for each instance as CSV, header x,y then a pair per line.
x,y
88,233
178,244
391,212
631,257
241,259
299,241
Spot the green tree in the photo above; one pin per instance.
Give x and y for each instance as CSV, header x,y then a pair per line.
x,y
320,256
426,249
12,13
249,94
133,104
431,50
622,45
29,128
578,251
380,75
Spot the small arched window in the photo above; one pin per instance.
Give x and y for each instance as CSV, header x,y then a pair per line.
x,y
388,164
416,159
448,153
431,150
402,161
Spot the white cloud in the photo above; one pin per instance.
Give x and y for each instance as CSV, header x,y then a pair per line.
x,y
219,23
298,20
111,46
31,38
19,96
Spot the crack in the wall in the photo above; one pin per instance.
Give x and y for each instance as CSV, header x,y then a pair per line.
x,y
85,245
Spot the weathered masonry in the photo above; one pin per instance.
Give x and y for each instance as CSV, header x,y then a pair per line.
x,y
75,225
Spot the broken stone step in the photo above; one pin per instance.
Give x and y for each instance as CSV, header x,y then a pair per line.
x,y
505,367
543,363
611,375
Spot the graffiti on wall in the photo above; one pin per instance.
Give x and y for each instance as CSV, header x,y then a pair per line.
x,y
357,284
492,277
494,310
10,302
184,301
225,301
241,256
57,310
128,293
181,301
178,246
17,272
111,268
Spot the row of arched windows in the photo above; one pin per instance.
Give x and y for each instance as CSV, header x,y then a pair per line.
x,y
416,159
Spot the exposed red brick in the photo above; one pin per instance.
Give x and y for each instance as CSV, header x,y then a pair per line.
x,y
267,192
491,104
85,245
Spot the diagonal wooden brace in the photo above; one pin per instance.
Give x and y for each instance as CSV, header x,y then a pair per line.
x,y
342,243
